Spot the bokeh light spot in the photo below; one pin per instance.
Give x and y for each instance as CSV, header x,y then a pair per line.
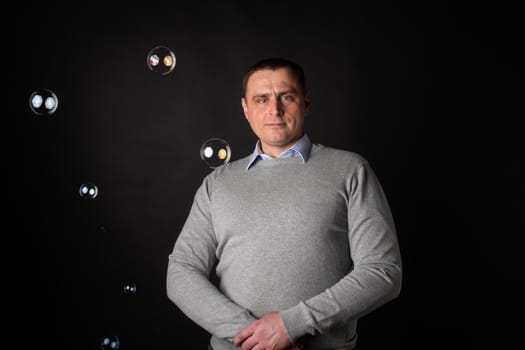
x,y
215,152
88,191
43,102
161,60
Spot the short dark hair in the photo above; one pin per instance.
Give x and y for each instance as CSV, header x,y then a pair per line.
x,y
274,63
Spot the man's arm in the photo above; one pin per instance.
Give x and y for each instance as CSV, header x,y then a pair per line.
x,y
374,280
376,275
190,264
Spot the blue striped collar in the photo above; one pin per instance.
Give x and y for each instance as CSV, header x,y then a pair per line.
x,y
301,149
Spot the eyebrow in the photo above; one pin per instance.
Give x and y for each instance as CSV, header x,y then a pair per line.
x,y
284,92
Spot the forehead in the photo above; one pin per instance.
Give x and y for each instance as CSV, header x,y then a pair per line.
x,y
268,79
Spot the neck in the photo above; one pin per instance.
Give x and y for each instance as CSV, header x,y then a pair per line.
x,y
275,150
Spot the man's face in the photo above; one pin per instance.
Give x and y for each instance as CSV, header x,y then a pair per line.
x,y
275,106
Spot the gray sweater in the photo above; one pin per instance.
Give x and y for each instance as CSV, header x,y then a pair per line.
x,y
312,240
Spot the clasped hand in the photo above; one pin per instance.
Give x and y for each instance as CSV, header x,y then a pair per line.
x,y
267,333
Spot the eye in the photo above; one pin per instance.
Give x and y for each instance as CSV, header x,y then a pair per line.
x,y
261,100
287,98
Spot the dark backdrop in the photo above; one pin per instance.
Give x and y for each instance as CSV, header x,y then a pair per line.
x,y
424,92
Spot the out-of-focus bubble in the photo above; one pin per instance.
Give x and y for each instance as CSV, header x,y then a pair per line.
x,y
88,191
43,102
110,343
215,152
161,60
130,288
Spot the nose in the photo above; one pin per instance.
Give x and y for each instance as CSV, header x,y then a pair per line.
x,y
276,108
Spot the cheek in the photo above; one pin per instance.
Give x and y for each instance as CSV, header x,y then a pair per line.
x,y
257,117
254,121
296,118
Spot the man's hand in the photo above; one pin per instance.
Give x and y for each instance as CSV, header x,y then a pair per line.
x,y
267,332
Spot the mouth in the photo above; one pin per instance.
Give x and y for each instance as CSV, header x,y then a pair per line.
x,y
275,125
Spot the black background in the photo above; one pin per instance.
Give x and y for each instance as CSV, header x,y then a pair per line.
x,y
426,92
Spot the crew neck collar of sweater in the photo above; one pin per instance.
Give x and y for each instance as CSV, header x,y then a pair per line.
x,y
301,148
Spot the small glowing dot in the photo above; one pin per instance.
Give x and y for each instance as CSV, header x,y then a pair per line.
x,y
154,60
222,154
37,100
168,61
50,103
208,152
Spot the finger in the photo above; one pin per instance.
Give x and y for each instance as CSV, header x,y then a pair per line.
x,y
259,347
249,343
243,335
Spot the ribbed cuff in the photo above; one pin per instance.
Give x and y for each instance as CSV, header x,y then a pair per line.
x,y
295,322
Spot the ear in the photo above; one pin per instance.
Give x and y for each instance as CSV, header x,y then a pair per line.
x,y
307,103
244,107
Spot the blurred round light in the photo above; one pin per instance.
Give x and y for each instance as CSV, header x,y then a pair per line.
x,y
215,152
43,102
110,343
88,191
161,60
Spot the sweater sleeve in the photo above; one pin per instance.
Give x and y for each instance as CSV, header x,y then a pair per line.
x,y
189,267
376,275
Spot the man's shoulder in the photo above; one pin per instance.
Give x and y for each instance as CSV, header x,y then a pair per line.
x,y
230,169
339,155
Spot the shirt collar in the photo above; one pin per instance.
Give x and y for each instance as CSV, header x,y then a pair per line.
x,y
301,148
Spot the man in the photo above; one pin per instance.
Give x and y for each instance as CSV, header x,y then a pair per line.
x,y
300,234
